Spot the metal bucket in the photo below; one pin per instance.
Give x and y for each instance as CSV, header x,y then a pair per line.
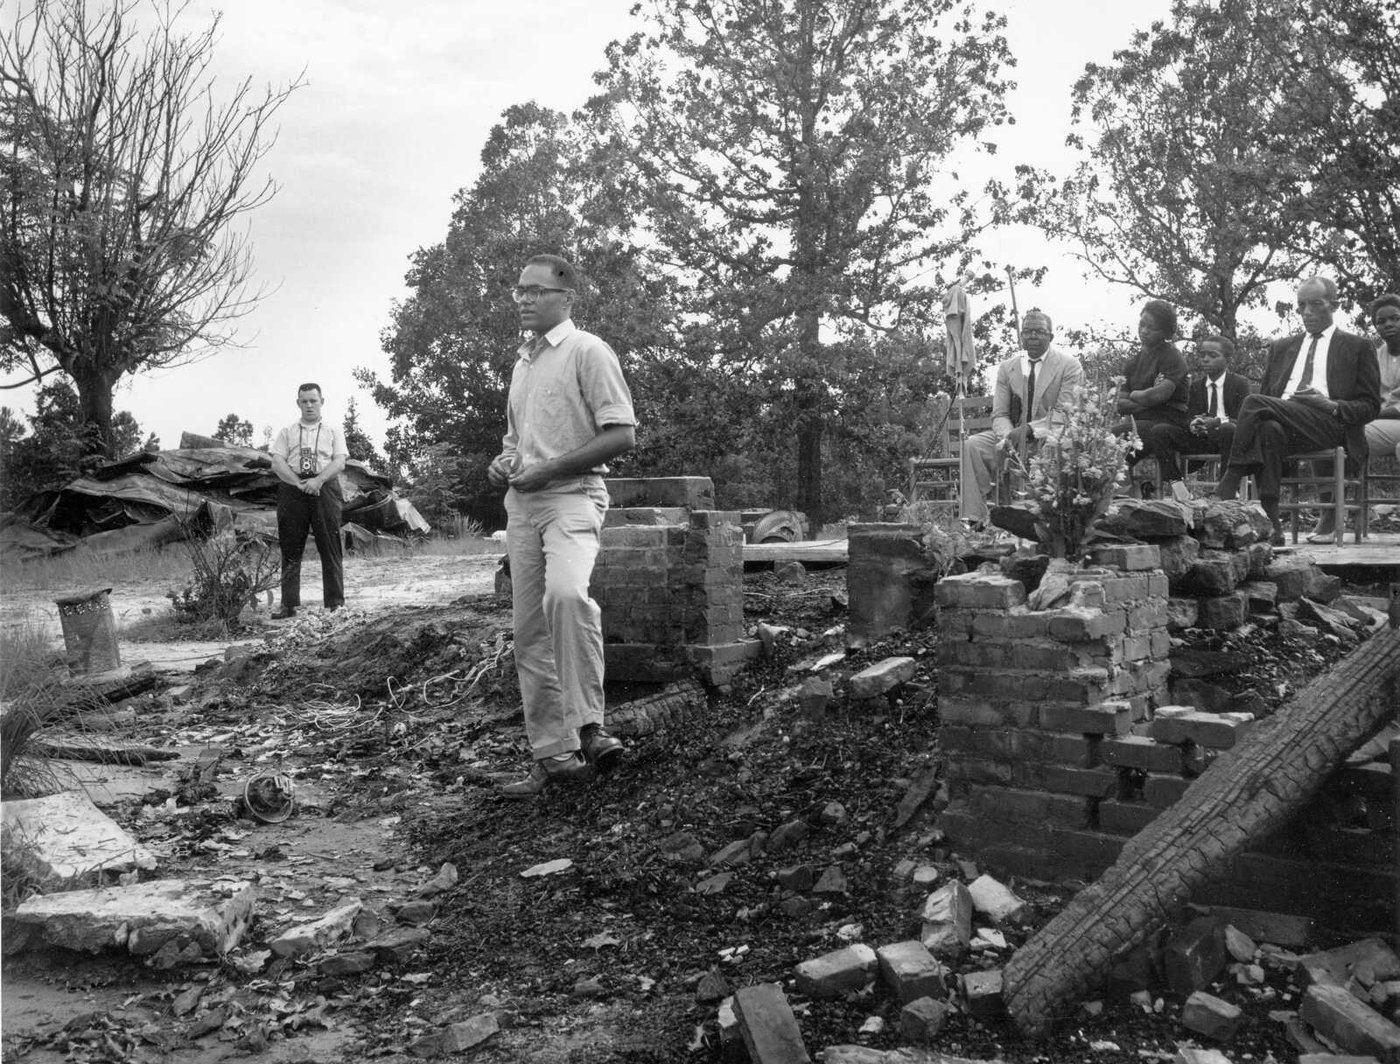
x,y
89,632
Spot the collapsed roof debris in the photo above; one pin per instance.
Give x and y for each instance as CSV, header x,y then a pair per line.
x,y
154,498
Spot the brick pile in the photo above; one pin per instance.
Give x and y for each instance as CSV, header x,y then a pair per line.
x,y
669,580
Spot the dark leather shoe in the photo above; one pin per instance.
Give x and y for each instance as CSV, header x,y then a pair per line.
x,y
1277,539
286,613
546,772
601,748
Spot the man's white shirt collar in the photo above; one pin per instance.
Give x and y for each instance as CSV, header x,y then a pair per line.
x,y
554,337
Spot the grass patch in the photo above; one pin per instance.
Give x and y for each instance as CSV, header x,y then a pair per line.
x,y
79,568
458,547
31,696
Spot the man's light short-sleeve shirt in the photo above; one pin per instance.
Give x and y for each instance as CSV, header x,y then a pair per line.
x,y
563,392
308,449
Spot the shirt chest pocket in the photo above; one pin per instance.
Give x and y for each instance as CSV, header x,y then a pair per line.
x,y
550,403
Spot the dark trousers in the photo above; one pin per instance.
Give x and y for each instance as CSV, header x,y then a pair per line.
x,y
298,513
1167,441
1269,430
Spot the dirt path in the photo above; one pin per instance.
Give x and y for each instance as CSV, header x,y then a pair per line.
x,y
303,867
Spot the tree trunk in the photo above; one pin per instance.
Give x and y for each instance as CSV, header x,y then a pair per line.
x,y
95,402
1245,794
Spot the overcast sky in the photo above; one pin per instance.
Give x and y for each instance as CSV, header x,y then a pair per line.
x,y
397,103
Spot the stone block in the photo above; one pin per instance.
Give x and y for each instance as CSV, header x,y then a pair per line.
x,y
1337,1015
768,1026
645,515
1125,818
882,677
1162,792
1177,555
1194,955
1228,524
1219,731
1152,520
832,974
1143,752
1370,956
911,971
142,918
1296,576
921,1020
1222,613
1130,557
1106,718
947,920
1200,1055
982,994
1085,782
1210,1016
987,591
1182,613
1262,595
319,933
1211,574
457,1038
63,840
995,900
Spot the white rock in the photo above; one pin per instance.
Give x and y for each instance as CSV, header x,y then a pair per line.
x,y
63,838
307,938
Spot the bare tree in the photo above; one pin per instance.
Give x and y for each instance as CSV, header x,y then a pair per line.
x,y
123,175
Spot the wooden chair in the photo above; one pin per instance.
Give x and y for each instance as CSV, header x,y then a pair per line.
x,y
937,481
1382,472
1320,471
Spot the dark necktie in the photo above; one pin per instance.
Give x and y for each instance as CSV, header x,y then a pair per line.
x,y
1214,401
1030,391
1305,381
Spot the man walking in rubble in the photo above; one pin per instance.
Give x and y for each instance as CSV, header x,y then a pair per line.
x,y
307,458
569,413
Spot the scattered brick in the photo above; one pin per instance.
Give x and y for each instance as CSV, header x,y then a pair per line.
x,y
832,974
911,971
882,677
982,994
947,920
921,1020
1195,955
1208,1015
768,1026
1338,1016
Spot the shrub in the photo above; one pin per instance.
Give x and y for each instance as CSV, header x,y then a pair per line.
x,y
230,570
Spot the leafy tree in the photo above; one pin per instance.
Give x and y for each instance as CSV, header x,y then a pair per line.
x,y
234,430
360,446
789,151
1345,110
1239,144
1189,158
122,177
452,342
54,448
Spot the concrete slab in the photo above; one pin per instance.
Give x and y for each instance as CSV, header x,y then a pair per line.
x,y
64,839
209,915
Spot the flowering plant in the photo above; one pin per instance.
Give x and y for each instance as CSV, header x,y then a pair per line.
x,y
1075,471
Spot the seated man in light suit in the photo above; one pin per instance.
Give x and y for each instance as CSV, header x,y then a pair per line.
x,y
1052,375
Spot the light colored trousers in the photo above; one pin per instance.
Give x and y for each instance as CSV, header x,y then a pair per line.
x,y
982,459
1383,436
552,537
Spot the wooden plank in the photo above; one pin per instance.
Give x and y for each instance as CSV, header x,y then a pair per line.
x,y
1379,548
830,551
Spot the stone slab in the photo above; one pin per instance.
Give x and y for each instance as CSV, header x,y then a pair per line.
x,y
1337,1015
768,1025
142,917
63,838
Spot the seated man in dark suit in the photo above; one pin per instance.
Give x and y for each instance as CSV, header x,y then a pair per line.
x,y
1212,403
1320,389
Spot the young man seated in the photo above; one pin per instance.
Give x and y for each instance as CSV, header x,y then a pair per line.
x,y
1212,404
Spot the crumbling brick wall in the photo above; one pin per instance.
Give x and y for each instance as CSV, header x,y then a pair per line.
x,y
1059,747
669,580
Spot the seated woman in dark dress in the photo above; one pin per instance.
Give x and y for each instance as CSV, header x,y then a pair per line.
x,y
1154,380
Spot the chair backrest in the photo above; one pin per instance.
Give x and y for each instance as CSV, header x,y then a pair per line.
x,y
976,416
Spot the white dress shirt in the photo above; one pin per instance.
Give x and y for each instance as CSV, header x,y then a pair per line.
x,y
1319,367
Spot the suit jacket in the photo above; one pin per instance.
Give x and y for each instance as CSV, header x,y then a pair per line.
x,y
1353,382
1056,375
1233,389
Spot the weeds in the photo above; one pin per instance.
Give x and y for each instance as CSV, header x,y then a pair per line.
x,y
231,569
31,696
